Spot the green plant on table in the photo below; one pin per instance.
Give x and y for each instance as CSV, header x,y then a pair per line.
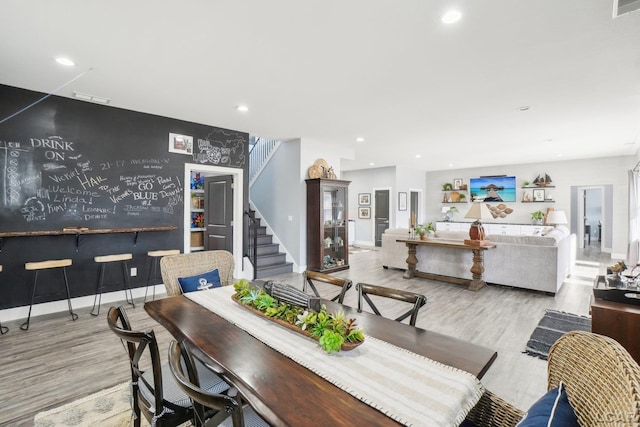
x,y
331,329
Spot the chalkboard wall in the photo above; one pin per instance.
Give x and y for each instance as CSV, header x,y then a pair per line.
x,y
68,163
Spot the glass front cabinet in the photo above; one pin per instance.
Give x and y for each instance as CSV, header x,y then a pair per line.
x,y
327,220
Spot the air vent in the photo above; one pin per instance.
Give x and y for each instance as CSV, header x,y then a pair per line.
x,y
622,7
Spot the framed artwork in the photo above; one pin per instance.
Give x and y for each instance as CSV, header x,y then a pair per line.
x,y
181,144
457,183
538,195
364,213
364,199
402,201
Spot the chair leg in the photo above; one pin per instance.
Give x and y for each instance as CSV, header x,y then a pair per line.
x,y
66,285
98,295
127,284
25,325
3,329
152,275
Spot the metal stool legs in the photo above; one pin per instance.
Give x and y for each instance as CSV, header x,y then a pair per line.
x,y
153,274
25,325
98,296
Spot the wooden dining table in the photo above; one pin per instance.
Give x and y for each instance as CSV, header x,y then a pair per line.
x,y
285,393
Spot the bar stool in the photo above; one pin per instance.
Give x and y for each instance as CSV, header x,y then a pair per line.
x,y
3,329
154,269
46,265
103,261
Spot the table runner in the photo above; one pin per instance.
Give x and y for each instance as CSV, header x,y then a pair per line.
x,y
407,387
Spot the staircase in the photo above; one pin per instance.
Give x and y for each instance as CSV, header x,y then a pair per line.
x,y
270,261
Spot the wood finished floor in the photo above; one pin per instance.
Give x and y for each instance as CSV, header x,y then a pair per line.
x,y
57,360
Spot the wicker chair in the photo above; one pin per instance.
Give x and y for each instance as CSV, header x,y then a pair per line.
x,y
601,379
186,265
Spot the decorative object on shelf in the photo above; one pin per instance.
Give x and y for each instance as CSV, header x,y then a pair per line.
x,y
364,199
447,186
330,174
461,197
614,279
328,242
537,217
364,213
556,217
457,184
321,169
526,183
526,197
454,197
538,195
477,236
463,187
542,180
499,211
402,201
315,171
297,311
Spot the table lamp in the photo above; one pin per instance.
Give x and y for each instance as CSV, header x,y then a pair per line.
x,y
556,217
478,211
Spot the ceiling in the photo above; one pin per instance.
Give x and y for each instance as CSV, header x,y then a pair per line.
x,y
331,71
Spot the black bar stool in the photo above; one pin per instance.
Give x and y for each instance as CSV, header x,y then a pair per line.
x,y
3,329
103,261
45,265
154,269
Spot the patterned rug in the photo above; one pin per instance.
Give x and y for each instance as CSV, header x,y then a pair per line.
x,y
552,326
109,407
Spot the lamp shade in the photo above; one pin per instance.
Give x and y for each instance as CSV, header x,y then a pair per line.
x,y
479,211
556,217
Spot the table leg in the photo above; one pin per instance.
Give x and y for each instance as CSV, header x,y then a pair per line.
x,y
412,260
476,271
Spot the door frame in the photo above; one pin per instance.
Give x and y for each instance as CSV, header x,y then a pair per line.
x,y
238,197
392,216
580,208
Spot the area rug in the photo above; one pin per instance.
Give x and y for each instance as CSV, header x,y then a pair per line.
x,y
109,407
552,326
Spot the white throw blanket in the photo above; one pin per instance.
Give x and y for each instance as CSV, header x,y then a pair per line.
x,y
407,387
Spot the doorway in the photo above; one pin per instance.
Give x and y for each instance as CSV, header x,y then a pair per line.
x,y
381,210
414,208
237,198
590,220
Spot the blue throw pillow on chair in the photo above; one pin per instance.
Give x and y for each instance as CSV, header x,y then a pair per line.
x,y
553,410
200,282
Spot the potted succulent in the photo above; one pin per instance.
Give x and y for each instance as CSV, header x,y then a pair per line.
x,y
537,217
461,197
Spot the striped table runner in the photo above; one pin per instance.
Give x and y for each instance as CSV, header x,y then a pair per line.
x,y
407,387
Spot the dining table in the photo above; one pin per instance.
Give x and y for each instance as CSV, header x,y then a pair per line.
x,y
286,393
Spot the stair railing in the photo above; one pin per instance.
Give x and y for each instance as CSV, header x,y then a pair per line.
x,y
261,151
253,241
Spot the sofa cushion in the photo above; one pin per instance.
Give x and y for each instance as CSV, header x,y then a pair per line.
x,y
553,410
523,240
200,282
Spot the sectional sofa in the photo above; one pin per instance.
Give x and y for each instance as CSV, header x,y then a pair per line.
x,y
536,262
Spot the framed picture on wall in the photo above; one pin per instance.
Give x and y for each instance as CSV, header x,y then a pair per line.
x,y
364,213
402,201
364,199
181,144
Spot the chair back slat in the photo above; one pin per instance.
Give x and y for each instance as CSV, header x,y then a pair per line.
x,y
309,277
417,300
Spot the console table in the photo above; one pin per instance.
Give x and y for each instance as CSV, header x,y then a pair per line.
x,y
477,269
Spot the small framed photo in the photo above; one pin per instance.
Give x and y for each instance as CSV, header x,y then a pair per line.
x,y
457,184
364,213
364,199
181,144
402,201
538,195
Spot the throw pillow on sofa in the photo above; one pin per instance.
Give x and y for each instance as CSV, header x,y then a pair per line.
x,y
552,410
200,282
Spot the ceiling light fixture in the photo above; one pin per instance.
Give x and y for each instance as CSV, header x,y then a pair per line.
x,y
451,16
372,164
418,156
91,98
242,108
524,108
360,139
65,61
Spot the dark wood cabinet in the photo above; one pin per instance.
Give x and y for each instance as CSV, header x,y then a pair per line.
x,y
327,219
619,321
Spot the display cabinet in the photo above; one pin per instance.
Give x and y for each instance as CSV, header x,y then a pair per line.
x,y
196,208
327,219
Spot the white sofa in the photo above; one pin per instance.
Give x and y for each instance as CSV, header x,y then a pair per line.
x,y
539,263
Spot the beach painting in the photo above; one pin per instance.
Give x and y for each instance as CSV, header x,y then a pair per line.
x,y
493,189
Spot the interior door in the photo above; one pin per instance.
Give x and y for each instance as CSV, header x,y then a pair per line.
x,y
218,215
381,214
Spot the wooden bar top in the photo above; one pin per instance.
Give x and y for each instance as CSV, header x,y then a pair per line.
x,y
82,230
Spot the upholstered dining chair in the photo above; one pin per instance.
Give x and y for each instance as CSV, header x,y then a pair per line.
x,y
417,300
173,267
155,393
211,409
309,277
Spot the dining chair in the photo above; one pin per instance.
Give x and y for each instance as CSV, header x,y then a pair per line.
x,y
155,393
174,267
210,409
309,277
418,300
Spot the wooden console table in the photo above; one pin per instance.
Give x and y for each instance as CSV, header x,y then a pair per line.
x,y
477,268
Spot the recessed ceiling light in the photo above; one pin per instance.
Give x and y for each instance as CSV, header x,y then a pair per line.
x,y
372,164
451,16
65,61
450,165
242,108
360,139
524,108
418,156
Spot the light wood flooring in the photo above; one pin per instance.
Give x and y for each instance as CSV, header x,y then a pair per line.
x,y
57,360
